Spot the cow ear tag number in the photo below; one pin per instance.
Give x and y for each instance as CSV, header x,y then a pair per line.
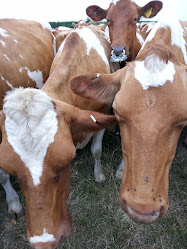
x,y
148,12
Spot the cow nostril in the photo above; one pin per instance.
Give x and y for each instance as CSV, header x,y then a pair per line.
x,y
118,50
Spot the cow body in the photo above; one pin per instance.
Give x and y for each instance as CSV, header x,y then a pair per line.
x,y
27,52
84,50
48,129
151,108
122,17
26,56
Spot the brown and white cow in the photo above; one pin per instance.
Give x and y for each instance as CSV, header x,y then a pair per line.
x,y
37,148
41,130
84,50
151,108
122,17
26,55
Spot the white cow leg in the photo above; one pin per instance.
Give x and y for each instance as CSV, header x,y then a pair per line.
x,y
96,150
120,169
14,205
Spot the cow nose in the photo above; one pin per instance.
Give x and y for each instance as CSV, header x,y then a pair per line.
x,y
118,50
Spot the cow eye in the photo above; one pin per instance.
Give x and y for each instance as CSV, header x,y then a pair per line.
x,y
108,22
135,19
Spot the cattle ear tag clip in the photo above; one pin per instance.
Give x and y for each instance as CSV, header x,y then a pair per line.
x,y
92,117
148,12
95,13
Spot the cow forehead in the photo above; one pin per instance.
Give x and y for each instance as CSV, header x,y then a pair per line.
x,y
120,7
153,72
31,125
141,78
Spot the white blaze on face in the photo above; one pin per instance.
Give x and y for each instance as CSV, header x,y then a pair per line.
x,y
92,41
36,76
31,125
153,72
45,237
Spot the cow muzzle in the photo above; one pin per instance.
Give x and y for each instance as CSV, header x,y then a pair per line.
x,y
118,54
48,245
143,214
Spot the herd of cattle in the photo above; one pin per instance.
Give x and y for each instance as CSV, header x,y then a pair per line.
x,y
42,128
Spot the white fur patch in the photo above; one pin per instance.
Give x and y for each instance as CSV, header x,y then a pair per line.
x,y
3,43
92,41
153,72
139,37
35,76
46,25
45,237
4,33
31,125
6,57
8,83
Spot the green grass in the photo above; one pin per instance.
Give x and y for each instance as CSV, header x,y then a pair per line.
x,y
98,220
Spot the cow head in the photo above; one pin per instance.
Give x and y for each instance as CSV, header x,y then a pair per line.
x,y
151,108
122,17
37,147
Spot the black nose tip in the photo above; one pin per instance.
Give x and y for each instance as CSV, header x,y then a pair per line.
x,y
118,50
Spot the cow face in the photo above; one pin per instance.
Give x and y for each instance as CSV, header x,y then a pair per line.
x,y
150,124
37,147
122,17
151,110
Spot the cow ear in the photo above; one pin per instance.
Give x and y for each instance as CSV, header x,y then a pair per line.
x,y
90,121
151,9
97,87
96,13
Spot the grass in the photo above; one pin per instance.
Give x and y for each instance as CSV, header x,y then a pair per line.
x,y
98,220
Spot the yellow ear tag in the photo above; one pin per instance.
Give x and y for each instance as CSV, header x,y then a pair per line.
x,y
148,12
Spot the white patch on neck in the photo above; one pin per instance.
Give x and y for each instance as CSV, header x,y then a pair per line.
x,y
153,72
31,125
35,76
169,19
45,237
4,33
92,41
